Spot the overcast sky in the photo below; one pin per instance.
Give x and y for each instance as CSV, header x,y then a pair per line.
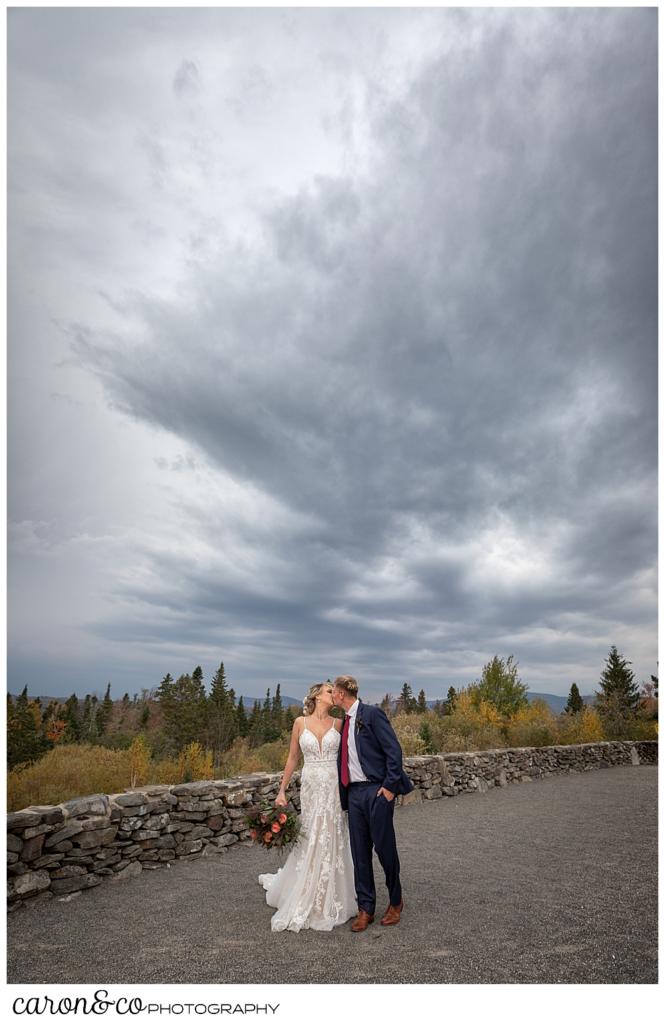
x,y
332,345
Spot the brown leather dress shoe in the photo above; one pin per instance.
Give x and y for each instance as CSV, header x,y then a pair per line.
x,y
392,914
360,922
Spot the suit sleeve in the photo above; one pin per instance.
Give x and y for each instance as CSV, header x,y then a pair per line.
x,y
389,743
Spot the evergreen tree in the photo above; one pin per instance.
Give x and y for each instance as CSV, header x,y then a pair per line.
x,y
242,724
277,712
191,703
501,686
89,729
575,702
268,730
222,719
290,716
145,715
183,704
449,703
618,698
72,719
255,725
25,742
98,714
106,709
422,702
406,702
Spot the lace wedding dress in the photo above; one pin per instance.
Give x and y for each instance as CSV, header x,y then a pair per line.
x,y
315,887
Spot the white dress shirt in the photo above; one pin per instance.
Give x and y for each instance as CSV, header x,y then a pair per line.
x,y
356,773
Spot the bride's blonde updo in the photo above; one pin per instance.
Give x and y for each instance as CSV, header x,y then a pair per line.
x,y
309,703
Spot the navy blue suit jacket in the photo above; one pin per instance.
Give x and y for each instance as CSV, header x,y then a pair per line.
x,y
379,753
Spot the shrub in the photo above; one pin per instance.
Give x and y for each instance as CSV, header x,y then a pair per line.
x,y
407,728
272,756
532,726
194,763
67,772
583,727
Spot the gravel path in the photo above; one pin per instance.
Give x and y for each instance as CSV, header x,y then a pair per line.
x,y
553,881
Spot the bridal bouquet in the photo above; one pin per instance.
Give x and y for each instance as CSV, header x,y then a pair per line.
x,y
273,826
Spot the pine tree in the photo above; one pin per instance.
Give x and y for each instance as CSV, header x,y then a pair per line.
x,y
183,704
167,702
406,702
242,724
222,720
449,703
290,716
618,698
255,725
422,702
72,718
98,714
25,742
191,703
277,712
106,710
268,730
575,702
89,733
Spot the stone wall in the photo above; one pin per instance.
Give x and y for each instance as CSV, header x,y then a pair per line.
x,y
56,852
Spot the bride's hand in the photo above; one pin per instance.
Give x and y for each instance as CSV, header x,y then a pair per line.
x,y
280,800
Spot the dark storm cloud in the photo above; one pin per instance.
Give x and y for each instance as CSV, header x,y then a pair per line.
x,y
441,371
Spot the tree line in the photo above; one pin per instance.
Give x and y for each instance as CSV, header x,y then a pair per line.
x,y
617,699
217,719
187,714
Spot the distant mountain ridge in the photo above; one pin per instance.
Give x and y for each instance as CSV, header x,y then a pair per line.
x,y
286,700
558,703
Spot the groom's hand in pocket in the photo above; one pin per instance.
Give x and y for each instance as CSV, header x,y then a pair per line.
x,y
386,792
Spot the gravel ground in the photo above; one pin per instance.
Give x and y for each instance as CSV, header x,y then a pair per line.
x,y
553,881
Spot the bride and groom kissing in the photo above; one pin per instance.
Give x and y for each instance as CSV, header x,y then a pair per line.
x,y
351,775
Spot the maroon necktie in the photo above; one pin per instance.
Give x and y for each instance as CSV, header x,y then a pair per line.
x,y
345,751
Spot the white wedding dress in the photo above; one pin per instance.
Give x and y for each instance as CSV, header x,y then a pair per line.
x,y
315,886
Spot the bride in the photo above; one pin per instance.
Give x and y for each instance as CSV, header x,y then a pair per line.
x,y
315,887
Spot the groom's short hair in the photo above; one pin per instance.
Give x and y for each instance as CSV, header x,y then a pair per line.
x,y
348,684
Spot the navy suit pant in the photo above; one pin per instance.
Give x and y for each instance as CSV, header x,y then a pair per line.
x,y
371,825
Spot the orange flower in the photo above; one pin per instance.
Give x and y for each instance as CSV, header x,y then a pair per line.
x,y
267,836
253,833
276,827
282,819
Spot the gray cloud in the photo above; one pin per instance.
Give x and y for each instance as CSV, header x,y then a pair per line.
x,y
421,396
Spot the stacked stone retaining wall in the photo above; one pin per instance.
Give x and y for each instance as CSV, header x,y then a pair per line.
x,y
57,852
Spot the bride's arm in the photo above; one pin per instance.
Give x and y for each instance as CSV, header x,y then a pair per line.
x,y
291,762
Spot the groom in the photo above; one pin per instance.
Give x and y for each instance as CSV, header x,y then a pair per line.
x,y
370,775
